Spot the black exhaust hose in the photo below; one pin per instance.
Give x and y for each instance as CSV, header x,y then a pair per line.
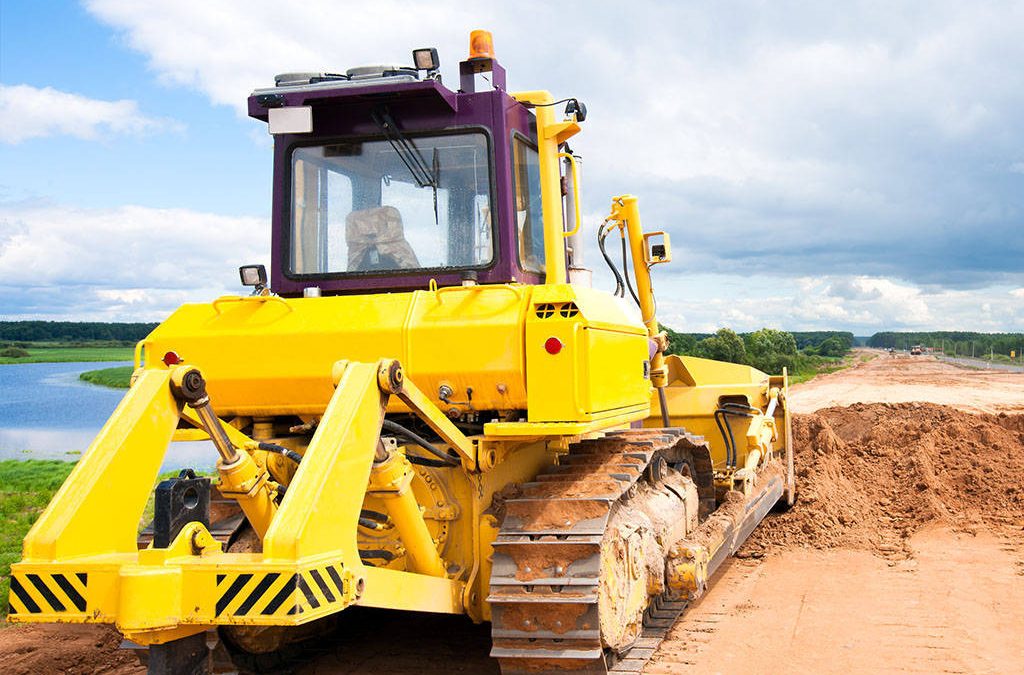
x,y
272,447
396,428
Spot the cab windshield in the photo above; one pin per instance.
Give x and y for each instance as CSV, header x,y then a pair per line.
x,y
379,206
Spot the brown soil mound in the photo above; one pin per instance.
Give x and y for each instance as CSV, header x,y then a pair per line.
x,y
870,475
68,649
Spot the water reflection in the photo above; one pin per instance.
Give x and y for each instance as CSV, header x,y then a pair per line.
x,y
46,412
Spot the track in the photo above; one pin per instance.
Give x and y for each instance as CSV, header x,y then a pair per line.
x,y
546,580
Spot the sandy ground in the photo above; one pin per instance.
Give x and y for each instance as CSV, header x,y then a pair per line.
x,y
948,600
955,606
887,379
816,591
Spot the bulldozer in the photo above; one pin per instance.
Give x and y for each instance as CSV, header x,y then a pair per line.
x,y
425,407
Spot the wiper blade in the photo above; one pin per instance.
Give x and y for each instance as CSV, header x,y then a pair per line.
x,y
406,149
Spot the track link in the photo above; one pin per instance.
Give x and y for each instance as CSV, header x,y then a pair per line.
x,y
547,557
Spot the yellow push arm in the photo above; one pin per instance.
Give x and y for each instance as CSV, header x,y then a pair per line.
x,y
97,510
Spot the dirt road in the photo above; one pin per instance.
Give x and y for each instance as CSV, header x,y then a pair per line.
x,y
887,379
955,606
906,550
905,553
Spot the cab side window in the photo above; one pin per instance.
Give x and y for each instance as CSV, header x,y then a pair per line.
x,y
529,215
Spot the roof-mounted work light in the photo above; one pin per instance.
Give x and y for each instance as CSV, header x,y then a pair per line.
x,y
426,59
253,275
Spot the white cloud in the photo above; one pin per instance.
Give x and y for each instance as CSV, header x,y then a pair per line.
x,y
710,302
754,132
815,168
129,263
29,112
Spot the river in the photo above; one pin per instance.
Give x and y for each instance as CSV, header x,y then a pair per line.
x,y
46,412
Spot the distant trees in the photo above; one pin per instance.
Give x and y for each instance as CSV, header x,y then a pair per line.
x,y
73,331
725,345
833,346
769,349
681,343
952,342
814,339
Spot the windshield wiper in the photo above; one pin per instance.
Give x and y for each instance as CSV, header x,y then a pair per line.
x,y
406,149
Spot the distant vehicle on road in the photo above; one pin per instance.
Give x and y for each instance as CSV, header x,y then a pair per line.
x,y
915,350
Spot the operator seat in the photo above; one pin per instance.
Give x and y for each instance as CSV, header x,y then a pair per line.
x,y
376,241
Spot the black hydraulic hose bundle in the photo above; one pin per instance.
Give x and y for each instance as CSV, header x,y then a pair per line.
x,y
625,273
622,280
602,233
426,461
281,450
443,458
722,417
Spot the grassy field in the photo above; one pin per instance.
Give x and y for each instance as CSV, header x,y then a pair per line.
x,y
26,486
828,365
117,377
43,353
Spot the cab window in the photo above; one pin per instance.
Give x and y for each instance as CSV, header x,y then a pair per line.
x,y
360,207
529,215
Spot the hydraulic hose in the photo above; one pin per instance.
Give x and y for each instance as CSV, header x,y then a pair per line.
x,y
725,437
663,403
426,461
602,233
272,447
736,410
377,554
374,515
396,428
625,272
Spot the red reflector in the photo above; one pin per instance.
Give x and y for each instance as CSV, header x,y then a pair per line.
x,y
553,345
171,359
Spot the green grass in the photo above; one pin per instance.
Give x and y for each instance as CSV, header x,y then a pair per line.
x,y
117,377
43,353
26,487
822,365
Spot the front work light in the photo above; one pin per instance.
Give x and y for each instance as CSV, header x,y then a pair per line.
x,y
426,59
253,275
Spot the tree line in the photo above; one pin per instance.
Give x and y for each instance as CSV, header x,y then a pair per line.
x,y
952,342
73,331
768,349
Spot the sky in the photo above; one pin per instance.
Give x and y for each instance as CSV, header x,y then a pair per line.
x,y
817,169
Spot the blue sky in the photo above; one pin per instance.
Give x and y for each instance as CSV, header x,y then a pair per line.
x,y
858,170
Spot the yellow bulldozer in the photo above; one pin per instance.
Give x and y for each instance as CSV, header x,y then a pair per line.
x,y
426,407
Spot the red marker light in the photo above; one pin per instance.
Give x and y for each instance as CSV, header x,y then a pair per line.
x,y
553,345
171,359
